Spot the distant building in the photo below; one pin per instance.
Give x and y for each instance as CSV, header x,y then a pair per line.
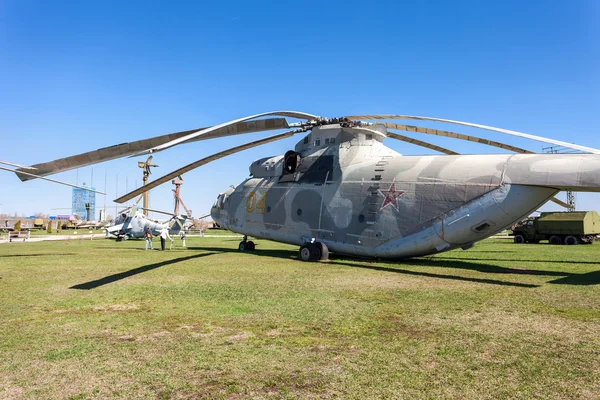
x,y
82,199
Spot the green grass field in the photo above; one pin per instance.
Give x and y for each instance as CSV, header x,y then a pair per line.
x,y
98,319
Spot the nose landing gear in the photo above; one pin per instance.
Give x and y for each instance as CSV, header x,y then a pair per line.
x,y
246,245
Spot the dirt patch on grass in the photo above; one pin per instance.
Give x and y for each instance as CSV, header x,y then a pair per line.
x,y
239,337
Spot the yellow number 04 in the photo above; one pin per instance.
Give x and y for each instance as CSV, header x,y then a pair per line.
x,y
251,203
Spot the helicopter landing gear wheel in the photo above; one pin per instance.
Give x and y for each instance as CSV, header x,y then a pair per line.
x,y
313,252
246,245
324,251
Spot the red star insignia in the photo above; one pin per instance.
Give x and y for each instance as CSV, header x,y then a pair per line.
x,y
391,197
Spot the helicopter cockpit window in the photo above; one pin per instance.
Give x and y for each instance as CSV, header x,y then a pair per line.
x,y
306,139
291,160
310,170
220,201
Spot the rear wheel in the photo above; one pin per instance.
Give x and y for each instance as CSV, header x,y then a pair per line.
x,y
555,239
519,238
324,251
250,245
571,240
309,252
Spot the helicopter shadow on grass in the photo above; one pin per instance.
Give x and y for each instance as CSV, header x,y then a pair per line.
x,y
590,278
351,262
37,255
524,260
566,278
122,275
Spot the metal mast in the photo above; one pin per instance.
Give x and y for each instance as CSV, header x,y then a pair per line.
x,y
146,167
564,150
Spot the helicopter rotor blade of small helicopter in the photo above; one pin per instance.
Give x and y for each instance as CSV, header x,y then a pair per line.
x,y
420,143
53,180
204,161
454,135
292,114
129,148
486,127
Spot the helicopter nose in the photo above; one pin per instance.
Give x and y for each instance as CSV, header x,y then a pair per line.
x,y
218,210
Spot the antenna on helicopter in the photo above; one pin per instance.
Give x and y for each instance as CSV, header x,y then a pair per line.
x,y
146,167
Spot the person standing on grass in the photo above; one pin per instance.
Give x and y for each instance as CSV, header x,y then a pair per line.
x,y
148,236
182,236
164,235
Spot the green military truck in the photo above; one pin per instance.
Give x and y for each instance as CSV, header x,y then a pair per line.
x,y
570,228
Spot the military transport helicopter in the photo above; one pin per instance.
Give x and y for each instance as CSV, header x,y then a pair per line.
x,y
342,189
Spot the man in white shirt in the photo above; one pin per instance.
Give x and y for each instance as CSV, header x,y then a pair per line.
x,y
164,235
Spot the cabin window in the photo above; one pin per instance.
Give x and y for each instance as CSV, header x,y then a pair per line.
x,y
369,136
317,142
306,139
326,140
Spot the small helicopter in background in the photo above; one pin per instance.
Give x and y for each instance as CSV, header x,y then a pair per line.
x,y
342,190
131,223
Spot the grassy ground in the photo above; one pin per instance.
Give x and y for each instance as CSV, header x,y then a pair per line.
x,y
99,319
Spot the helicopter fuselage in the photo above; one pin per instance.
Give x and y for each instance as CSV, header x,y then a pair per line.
x,y
342,187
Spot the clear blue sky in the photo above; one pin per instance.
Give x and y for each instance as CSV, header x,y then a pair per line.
x,y
76,76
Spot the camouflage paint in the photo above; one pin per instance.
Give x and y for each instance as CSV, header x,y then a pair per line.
x,y
375,202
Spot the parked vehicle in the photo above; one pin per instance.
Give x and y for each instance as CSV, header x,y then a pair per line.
x,y
569,227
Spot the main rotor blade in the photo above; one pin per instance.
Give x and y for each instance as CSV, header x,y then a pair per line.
x,y
15,165
129,148
489,128
421,143
52,180
454,135
292,114
201,162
